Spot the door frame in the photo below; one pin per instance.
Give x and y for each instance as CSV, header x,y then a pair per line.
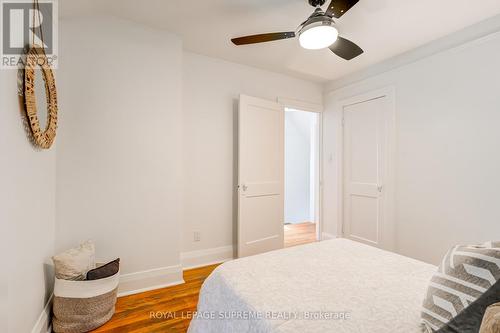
x,y
389,92
318,109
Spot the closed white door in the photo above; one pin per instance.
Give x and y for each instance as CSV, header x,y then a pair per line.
x,y
261,176
366,126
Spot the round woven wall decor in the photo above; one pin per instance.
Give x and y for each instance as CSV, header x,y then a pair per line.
x,y
42,137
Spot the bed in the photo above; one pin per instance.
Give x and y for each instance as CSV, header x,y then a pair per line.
x,y
331,286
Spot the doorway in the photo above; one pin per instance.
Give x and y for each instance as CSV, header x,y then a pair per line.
x,y
302,171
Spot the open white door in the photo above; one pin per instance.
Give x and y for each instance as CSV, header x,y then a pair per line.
x,y
261,176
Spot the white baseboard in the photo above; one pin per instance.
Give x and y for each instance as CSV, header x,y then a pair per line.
x,y
326,236
138,282
134,283
194,259
44,324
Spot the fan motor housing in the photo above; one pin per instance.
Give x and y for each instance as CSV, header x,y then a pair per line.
x,y
315,20
317,3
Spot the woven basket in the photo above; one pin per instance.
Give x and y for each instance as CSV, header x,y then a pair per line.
x,y
81,306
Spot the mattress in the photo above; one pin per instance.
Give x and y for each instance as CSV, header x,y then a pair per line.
x,y
331,286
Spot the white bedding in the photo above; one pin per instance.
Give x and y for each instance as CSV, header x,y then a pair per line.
x,y
375,291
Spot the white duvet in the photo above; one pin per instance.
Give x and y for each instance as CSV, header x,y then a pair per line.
x,y
331,286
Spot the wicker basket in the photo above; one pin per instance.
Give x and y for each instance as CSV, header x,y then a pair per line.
x,y
81,306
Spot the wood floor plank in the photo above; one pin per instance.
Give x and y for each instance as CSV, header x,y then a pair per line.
x,y
133,313
299,234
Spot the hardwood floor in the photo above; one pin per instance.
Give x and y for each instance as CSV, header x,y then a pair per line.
x,y
168,309
171,307
298,234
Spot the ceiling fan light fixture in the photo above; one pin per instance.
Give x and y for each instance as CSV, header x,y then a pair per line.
x,y
318,36
317,32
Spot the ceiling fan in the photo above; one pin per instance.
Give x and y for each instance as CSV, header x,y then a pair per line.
x,y
317,32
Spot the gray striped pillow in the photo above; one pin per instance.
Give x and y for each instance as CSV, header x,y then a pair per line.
x,y
465,274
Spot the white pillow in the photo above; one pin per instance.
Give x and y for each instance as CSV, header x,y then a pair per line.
x,y
74,264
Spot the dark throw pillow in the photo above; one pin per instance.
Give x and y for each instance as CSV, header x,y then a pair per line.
x,y
101,272
466,283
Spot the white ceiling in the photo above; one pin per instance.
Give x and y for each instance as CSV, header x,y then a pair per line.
x,y
383,28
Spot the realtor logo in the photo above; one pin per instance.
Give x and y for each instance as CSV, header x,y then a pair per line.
x,y
26,23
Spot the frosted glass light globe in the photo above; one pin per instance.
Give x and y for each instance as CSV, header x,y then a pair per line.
x,y
318,37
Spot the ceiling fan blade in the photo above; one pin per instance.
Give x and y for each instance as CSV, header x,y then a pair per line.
x,y
346,49
262,38
337,8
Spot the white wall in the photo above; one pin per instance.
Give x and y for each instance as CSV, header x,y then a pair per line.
x,y
119,154
447,159
210,96
299,126
27,197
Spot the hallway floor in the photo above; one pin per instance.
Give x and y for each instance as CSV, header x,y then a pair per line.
x,y
298,234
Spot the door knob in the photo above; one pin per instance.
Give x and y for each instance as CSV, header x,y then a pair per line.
x,y
380,188
244,187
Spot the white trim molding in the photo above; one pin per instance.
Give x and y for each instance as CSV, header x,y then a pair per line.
x,y
199,258
138,282
327,236
300,105
44,323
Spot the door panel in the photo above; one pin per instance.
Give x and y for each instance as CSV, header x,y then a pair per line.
x,y
265,212
365,140
363,225
362,123
261,176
